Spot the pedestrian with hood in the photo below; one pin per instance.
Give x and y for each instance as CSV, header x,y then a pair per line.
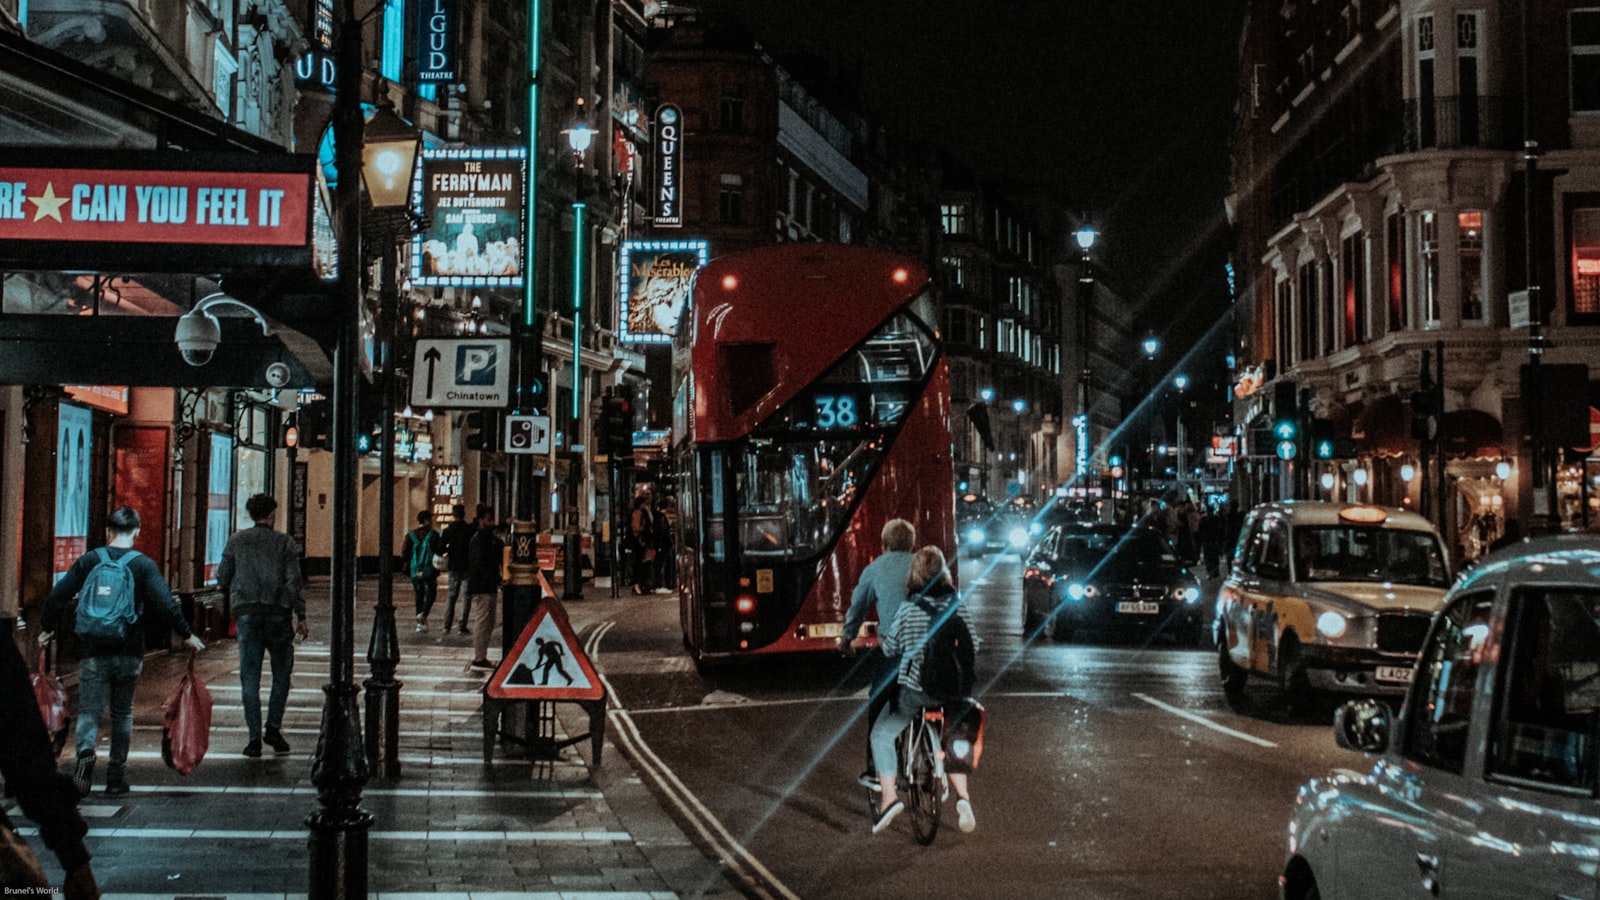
x,y
260,572
124,586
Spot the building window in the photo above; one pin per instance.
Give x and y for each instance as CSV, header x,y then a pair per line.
x,y
1469,238
1428,133
1585,39
1283,305
1308,311
732,113
1586,262
955,218
955,271
730,203
1429,243
1467,50
1395,240
1353,288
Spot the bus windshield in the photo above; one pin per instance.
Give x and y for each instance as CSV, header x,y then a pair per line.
x,y
794,496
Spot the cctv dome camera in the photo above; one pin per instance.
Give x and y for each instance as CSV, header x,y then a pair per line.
x,y
197,336
278,375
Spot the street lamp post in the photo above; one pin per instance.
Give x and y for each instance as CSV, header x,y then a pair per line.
x,y
579,137
1085,238
1181,382
339,827
388,158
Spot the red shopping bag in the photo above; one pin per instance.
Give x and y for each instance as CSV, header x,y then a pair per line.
x,y
186,729
52,699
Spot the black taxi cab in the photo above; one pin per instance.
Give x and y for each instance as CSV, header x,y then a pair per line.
x,y
1328,598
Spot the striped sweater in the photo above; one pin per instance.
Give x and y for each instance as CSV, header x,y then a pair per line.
x,y
912,626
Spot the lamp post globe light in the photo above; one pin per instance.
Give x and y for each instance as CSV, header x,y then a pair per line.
x,y
1085,238
579,137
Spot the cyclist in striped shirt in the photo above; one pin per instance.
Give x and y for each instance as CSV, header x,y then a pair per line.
x,y
930,580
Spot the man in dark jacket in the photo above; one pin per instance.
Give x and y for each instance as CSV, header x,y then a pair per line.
x,y
457,535
260,571
485,554
108,669
421,545
27,761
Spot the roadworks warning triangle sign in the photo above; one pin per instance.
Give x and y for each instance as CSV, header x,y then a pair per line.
x,y
546,663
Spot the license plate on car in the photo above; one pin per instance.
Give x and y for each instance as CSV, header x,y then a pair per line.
x,y
1139,607
1395,674
825,630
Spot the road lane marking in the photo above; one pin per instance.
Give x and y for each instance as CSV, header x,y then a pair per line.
x,y
299,834
1202,720
740,863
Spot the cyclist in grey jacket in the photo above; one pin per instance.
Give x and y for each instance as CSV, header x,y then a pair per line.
x,y
882,584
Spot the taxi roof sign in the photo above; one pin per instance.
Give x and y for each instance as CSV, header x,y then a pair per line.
x,y
546,663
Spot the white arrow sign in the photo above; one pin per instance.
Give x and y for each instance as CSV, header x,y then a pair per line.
x,y
461,373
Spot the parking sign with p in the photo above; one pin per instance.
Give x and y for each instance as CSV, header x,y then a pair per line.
x,y
461,373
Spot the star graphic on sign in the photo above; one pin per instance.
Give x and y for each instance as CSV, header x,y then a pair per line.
x,y
47,204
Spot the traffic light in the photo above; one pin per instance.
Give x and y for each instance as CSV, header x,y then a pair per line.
x,y
1322,440
1424,414
483,430
315,430
616,426
1285,415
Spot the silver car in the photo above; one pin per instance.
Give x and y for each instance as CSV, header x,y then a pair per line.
x,y
1487,779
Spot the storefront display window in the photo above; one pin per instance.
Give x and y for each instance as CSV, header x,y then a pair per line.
x,y
1586,262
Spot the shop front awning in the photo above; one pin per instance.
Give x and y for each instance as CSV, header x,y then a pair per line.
x,y
1381,427
1472,432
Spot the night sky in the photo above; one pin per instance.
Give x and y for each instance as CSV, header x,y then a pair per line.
x,y
1122,106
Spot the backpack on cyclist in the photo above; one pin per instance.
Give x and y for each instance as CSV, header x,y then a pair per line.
x,y
107,600
947,655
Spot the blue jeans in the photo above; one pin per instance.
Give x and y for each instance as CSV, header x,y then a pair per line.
x,y
891,722
427,589
272,634
101,678
456,588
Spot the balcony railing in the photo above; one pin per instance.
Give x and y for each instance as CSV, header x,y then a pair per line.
x,y
1489,123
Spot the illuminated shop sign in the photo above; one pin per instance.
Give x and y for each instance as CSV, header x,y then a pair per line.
x,y
472,202
438,24
166,212
668,204
656,276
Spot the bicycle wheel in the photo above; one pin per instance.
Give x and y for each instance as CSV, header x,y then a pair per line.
x,y
922,782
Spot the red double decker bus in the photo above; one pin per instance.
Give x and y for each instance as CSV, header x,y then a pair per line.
x,y
811,404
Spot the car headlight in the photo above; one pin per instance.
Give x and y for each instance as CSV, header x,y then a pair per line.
x,y
975,536
1076,591
1035,528
1332,625
1189,594
1019,537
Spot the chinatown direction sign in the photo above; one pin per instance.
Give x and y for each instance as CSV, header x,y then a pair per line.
x,y
157,212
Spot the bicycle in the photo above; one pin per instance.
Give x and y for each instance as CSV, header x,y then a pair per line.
x,y
921,779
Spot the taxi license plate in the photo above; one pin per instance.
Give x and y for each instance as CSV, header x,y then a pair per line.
x,y
1395,674
1139,607
826,630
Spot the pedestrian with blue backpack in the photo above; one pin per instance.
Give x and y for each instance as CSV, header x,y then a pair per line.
x,y
116,587
423,551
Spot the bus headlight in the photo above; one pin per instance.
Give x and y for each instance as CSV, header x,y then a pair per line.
x,y
1075,591
1332,625
1189,594
1019,537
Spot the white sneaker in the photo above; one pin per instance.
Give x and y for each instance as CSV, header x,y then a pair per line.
x,y
964,817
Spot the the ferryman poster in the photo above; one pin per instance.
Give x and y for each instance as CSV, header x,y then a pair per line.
x,y
471,202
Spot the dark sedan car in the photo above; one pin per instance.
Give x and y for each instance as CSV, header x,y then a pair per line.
x,y
1107,577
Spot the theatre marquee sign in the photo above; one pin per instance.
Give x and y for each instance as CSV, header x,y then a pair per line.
x,y
167,212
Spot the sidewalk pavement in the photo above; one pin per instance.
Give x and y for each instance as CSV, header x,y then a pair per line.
x,y
449,826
